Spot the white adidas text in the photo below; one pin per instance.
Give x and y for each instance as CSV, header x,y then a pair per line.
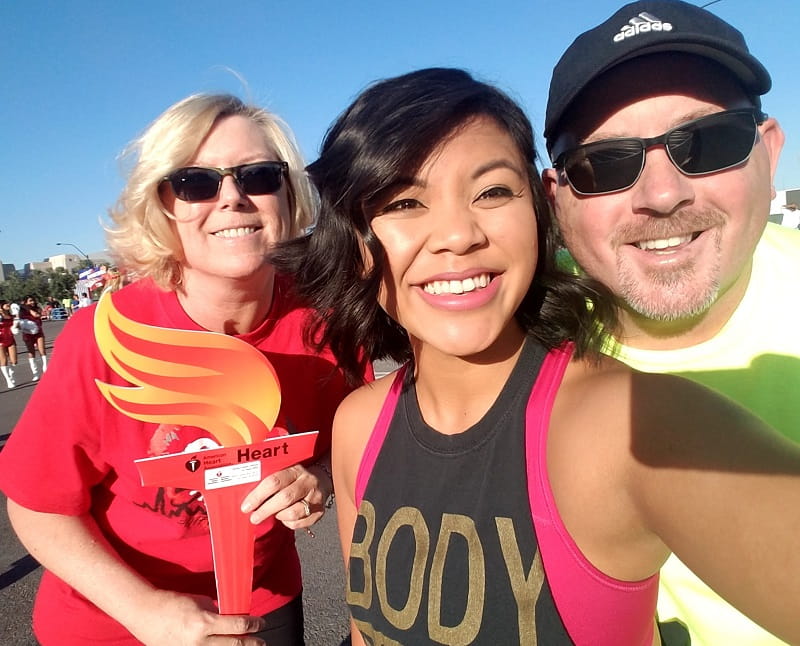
x,y
642,24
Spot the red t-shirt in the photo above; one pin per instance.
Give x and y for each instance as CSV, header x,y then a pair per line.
x,y
72,453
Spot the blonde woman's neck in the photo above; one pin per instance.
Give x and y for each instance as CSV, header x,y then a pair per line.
x,y
230,306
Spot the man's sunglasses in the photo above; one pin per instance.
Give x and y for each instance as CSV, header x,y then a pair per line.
x,y
195,183
699,147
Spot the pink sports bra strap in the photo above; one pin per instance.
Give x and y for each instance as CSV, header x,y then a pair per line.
x,y
378,435
595,608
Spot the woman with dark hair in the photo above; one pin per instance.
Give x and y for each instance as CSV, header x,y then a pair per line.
x,y
365,158
30,315
509,484
8,345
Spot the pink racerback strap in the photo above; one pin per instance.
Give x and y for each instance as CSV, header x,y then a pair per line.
x,y
378,435
595,608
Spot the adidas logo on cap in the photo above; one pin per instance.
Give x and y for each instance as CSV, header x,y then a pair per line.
x,y
641,24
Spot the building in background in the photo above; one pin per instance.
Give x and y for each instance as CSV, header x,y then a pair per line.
x,y
68,261
33,266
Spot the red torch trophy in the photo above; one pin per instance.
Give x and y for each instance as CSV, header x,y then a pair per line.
x,y
183,377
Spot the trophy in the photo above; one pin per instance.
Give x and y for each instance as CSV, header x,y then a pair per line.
x,y
224,386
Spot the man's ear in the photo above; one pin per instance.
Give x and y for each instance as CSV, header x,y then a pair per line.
x,y
772,136
550,181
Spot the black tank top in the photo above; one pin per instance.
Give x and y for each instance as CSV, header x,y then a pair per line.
x,y
444,549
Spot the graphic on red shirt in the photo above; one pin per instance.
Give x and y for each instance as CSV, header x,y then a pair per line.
x,y
174,502
205,379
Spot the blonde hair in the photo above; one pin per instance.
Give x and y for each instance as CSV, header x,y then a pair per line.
x,y
141,237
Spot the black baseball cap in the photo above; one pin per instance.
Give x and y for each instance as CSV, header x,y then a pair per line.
x,y
649,27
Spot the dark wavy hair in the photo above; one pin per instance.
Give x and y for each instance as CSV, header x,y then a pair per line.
x,y
386,135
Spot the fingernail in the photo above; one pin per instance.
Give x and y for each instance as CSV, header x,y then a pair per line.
x,y
246,506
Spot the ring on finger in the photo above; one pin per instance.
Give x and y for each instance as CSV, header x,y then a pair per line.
x,y
306,507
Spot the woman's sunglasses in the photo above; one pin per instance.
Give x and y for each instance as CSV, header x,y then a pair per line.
x,y
195,183
700,147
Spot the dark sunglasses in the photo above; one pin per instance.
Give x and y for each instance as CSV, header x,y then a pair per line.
x,y
195,183
706,145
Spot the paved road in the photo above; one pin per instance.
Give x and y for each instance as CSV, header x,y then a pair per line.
x,y
326,614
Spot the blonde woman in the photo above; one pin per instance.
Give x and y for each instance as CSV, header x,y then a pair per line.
x,y
214,185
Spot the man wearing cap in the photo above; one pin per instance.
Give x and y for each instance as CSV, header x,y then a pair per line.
x,y
663,164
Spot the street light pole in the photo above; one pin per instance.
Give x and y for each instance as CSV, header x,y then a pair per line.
x,y
69,244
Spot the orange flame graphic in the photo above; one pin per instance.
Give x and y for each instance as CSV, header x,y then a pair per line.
x,y
190,378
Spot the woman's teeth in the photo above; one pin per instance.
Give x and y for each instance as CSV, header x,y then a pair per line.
x,y
235,233
457,286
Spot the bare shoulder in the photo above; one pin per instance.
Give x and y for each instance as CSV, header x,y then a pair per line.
x,y
641,464
590,422
644,433
619,439
593,394
352,426
647,413
359,411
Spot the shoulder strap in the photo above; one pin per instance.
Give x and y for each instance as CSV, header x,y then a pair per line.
x,y
590,602
378,434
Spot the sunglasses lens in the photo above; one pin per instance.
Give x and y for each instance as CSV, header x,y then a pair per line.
x,y
713,143
260,179
706,145
605,167
195,184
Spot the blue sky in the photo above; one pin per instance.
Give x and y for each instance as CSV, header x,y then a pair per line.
x,y
79,79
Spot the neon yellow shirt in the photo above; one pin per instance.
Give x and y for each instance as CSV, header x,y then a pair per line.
x,y
755,360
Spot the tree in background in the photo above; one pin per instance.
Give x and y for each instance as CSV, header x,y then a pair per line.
x,y
58,283
62,283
